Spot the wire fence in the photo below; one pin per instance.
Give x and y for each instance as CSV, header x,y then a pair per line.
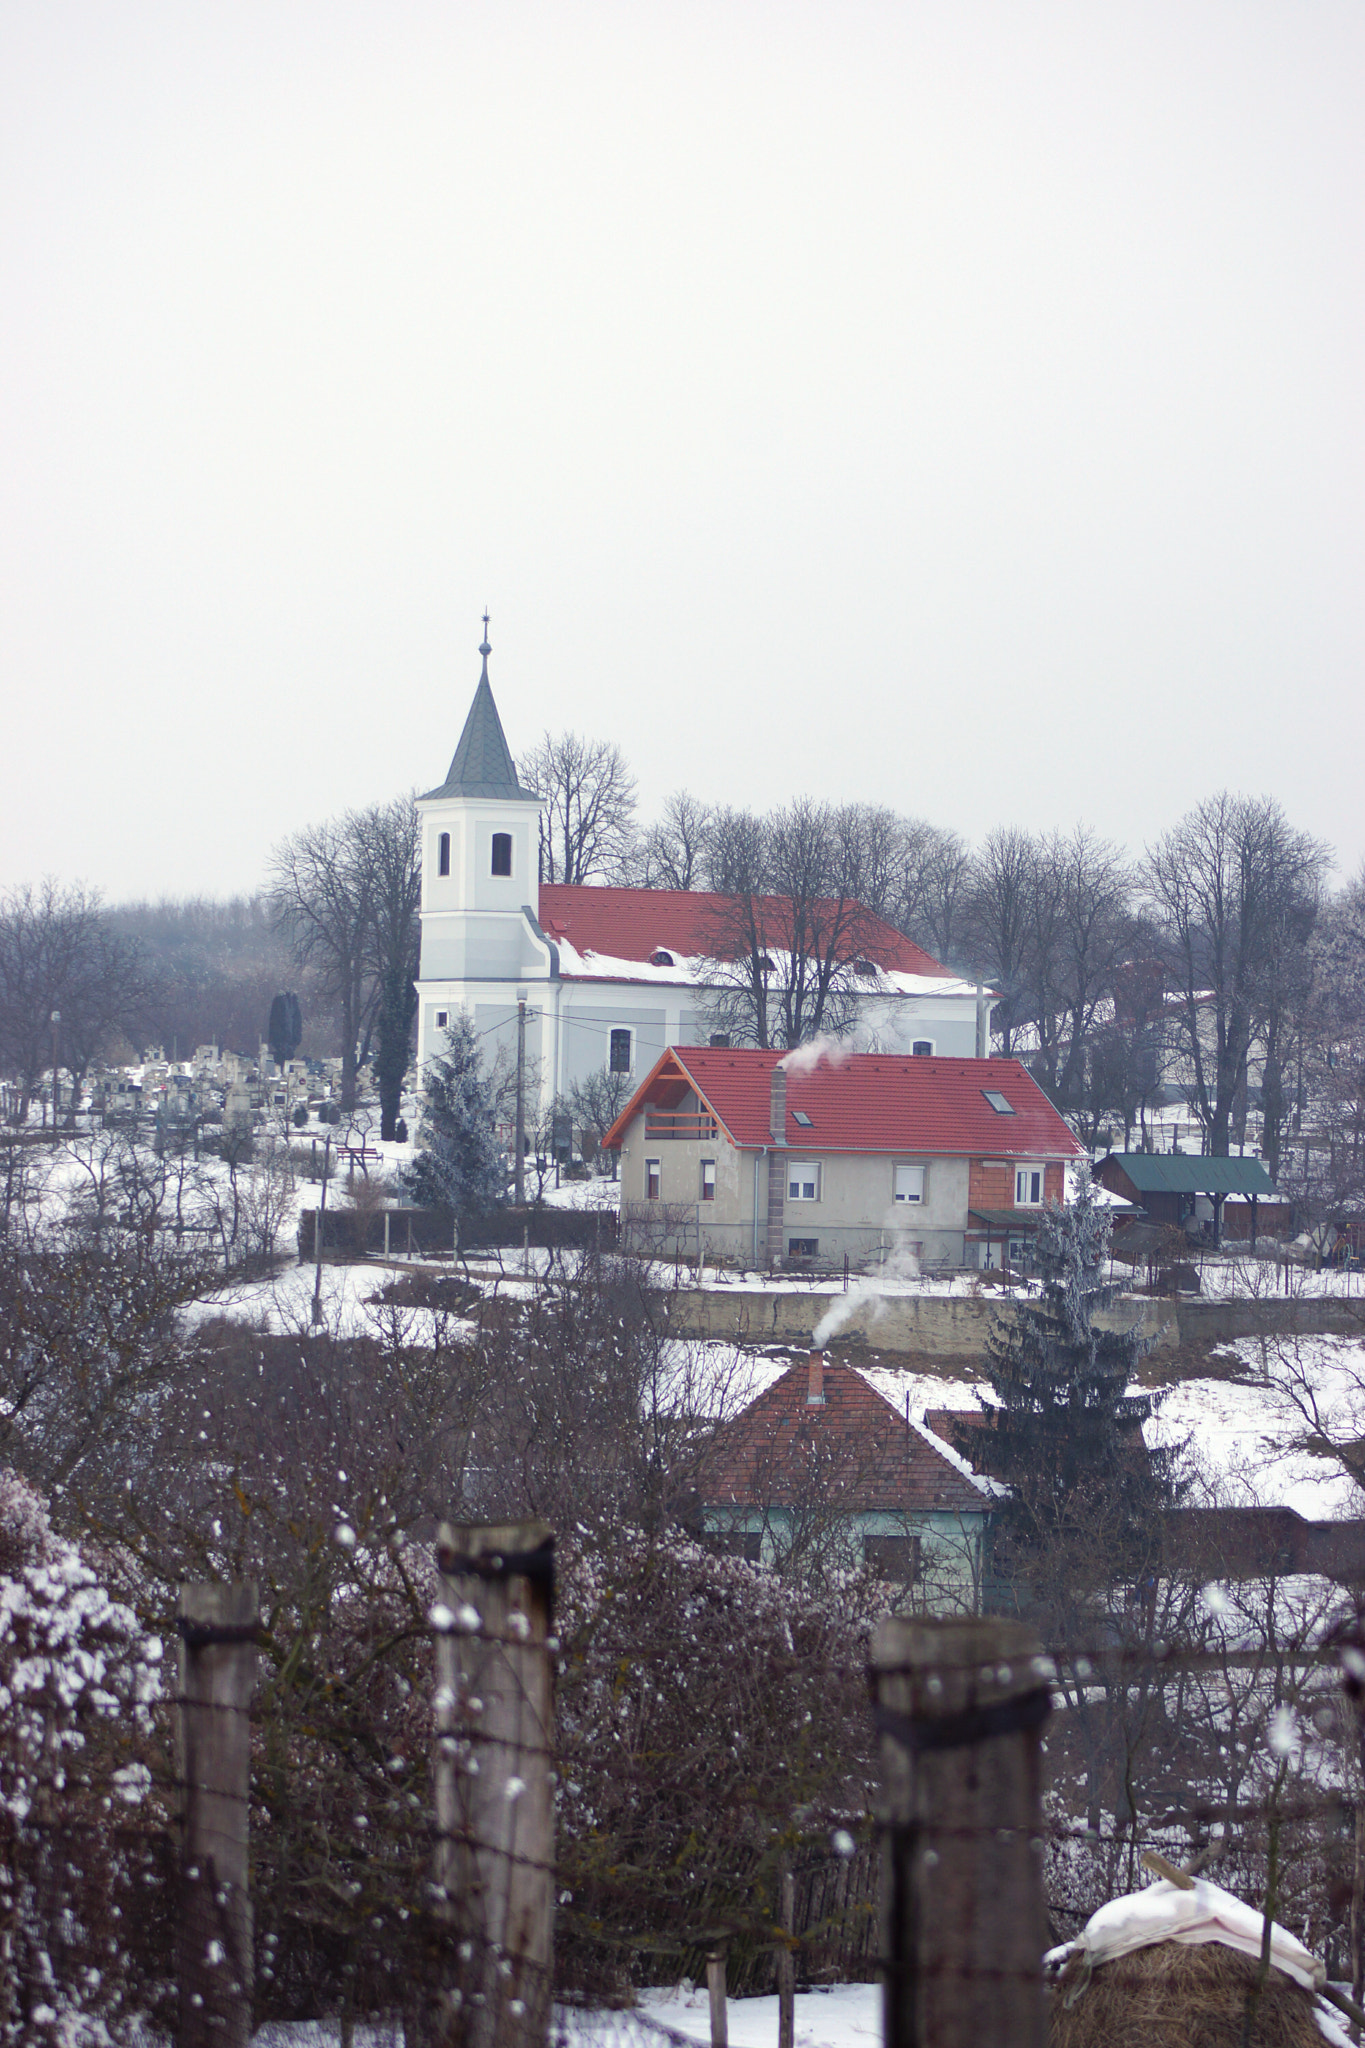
x,y
445,1906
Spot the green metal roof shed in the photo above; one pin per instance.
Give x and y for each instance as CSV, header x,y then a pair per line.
x,y
1185,1173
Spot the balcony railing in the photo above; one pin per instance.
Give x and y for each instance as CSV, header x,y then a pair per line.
x,y
680,1123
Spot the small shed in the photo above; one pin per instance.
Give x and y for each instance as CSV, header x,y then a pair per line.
x,y
1174,1187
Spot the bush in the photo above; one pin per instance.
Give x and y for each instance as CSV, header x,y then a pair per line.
x,y
300,1115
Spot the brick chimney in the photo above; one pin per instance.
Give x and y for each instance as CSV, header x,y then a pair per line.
x,y
815,1385
777,1106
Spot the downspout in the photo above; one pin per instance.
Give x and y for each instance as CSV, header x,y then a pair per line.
x,y
760,1182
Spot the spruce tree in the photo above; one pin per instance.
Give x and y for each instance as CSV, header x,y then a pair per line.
x,y
1067,1434
459,1164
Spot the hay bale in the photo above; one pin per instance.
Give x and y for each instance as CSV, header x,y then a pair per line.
x,y
1175,1994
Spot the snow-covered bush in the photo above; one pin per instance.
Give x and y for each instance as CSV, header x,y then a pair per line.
x,y
78,1683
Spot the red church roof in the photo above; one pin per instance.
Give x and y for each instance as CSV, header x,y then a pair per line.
x,y
863,1102
632,924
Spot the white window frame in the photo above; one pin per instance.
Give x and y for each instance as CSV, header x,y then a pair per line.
x,y
612,1032
908,1166
442,1019
1022,1176
708,1180
930,1047
803,1167
654,1180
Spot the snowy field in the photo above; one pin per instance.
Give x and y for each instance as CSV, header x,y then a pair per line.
x,y
844,2016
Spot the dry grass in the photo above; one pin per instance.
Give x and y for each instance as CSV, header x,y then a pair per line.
x,y
1176,1996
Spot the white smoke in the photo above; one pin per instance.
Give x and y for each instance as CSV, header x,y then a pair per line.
x,y
868,1294
804,1059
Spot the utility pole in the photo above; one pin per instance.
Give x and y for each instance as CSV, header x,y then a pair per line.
x,y
56,1021
318,1222
519,1185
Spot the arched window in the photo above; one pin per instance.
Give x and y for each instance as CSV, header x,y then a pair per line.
x,y
443,854
502,853
661,957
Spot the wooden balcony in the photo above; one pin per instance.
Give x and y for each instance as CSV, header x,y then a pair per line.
x,y
680,1123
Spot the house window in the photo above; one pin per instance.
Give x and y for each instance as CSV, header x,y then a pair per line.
x,y
803,1181
502,853
803,1247
1028,1187
443,854
745,1543
653,1179
619,1058
708,1180
895,1558
922,1048
661,957
1001,1104
442,1019
909,1183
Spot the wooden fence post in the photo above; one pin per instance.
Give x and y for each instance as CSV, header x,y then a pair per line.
x,y
494,1799
214,1962
786,1964
959,1706
717,1999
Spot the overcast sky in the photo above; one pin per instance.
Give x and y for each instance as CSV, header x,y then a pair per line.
x,y
957,406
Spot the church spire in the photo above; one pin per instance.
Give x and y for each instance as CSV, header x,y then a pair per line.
x,y
483,764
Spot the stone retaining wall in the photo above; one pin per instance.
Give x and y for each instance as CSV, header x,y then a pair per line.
x,y
954,1327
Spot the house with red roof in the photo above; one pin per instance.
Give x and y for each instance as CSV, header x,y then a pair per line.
x,y
609,978
809,1157
821,1471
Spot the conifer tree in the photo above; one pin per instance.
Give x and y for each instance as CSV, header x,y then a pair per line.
x,y
1067,1434
459,1164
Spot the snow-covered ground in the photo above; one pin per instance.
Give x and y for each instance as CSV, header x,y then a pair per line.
x,y
844,2016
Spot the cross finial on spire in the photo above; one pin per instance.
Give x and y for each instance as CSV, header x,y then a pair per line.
x,y
484,648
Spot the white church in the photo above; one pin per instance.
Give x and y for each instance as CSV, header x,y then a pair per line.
x,y
610,977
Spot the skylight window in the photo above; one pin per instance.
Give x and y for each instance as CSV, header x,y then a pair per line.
x,y
1001,1104
799,1117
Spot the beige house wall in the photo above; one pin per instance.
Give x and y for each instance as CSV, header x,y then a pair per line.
x,y
855,1214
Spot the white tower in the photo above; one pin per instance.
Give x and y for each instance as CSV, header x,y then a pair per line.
x,y
480,877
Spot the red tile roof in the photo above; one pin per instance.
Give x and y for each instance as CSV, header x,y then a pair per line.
x,y
867,1102
630,924
854,1452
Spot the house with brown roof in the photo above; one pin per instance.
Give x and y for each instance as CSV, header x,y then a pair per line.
x,y
608,978
821,1471
810,1157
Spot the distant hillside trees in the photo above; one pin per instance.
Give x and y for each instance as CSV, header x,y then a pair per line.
x,y
61,952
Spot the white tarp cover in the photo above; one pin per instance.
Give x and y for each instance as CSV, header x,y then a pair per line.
x,y
1165,1912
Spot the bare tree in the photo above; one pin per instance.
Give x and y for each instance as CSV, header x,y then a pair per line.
x,y
60,952
1234,888
594,1103
390,847
673,853
935,876
1000,923
1084,930
787,940
323,890
589,796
